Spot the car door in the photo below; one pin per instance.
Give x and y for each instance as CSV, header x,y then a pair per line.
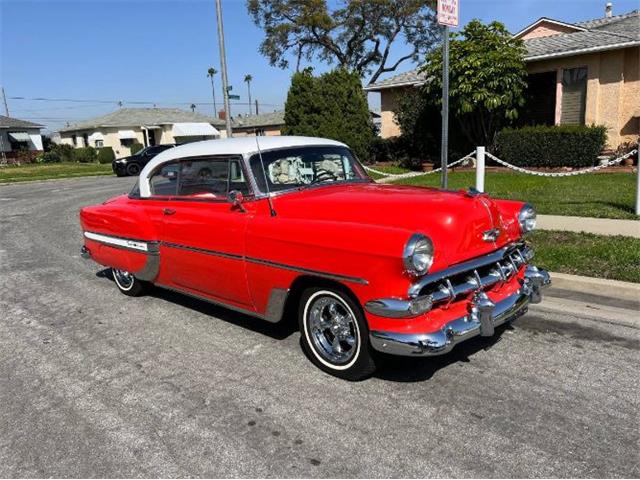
x,y
203,234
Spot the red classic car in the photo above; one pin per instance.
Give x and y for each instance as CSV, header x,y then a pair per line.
x,y
294,224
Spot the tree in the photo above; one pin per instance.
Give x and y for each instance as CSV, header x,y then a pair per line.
x,y
332,105
486,79
210,73
357,35
193,107
249,79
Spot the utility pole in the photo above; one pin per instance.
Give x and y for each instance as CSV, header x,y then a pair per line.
x,y
444,145
4,99
448,16
223,70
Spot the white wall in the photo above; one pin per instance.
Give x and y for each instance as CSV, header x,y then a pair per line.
x,y
34,134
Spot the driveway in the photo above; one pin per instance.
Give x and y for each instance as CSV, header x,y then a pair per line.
x,y
96,384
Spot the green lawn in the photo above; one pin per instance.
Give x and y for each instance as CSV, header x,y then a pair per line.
x,y
604,195
616,258
24,173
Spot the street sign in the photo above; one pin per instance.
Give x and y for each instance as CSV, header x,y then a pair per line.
x,y
234,97
229,88
448,12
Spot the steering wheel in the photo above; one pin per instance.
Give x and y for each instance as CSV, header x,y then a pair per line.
x,y
324,175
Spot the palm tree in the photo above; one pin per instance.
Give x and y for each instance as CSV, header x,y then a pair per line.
x,y
193,107
249,79
210,73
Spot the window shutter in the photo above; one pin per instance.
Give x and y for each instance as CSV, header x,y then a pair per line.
x,y
574,96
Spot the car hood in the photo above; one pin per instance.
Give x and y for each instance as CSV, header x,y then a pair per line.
x,y
455,221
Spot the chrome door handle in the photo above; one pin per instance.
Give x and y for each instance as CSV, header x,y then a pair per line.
x,y
168,211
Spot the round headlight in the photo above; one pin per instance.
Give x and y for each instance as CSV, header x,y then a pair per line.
x,y
418,254
527,218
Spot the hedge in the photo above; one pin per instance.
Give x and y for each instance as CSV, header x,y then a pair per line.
x,y
552,146
85,155
106,155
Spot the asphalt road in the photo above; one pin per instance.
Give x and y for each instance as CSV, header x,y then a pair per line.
x,y
96,384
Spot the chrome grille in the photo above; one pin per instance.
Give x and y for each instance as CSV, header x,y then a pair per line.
x,y
480,273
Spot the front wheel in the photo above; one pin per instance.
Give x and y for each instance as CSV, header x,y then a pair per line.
x,y
335,334
128,284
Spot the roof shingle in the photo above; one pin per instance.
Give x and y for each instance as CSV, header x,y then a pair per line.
x,y
10,122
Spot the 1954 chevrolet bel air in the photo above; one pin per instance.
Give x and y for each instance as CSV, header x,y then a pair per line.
x,y
294,224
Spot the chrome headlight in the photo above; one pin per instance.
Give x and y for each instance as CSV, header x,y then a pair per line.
x,y
418,254
527,218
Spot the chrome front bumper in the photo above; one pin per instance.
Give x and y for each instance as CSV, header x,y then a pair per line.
x,y
482,318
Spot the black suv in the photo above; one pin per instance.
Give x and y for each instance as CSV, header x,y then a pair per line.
x,y
132,164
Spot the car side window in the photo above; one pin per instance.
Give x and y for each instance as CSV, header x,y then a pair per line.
x,y
210,178
164,182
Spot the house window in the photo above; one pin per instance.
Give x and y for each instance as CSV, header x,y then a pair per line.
x,y
99,143
127,142
574,96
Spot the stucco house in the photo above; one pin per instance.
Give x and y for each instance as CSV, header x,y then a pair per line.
x,y
146,126
16,135
268,124
579,73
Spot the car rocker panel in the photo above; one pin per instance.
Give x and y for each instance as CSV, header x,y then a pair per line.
x,y
402,270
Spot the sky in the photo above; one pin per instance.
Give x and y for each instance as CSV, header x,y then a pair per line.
x,y
100,52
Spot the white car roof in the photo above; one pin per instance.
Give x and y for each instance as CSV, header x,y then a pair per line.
x,y
227,146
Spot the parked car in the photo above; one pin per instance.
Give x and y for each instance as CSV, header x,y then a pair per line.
x,y
294,226
133,164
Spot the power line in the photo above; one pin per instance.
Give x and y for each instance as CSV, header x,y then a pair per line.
x,y
130,102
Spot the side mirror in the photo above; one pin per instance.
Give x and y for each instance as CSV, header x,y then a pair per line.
x,y
236,198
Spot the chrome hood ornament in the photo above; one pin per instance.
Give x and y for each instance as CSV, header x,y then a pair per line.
x,y
491,235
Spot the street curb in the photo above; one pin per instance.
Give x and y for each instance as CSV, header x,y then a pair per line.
x,y
596,286
44,180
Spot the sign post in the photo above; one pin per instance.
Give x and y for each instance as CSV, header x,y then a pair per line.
x,y
447,17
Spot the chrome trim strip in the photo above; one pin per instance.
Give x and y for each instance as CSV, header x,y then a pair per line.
x,y
398,308
125,243
260,261
459,329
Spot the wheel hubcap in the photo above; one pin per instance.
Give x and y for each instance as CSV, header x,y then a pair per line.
x,y
333,330
124,278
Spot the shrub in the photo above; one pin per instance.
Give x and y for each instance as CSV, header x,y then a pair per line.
x,y
65,152
106,155
51,156
85,155
552,146
332,105
135,148
391,149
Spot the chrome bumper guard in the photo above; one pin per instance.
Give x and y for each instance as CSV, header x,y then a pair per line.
x,y
483,317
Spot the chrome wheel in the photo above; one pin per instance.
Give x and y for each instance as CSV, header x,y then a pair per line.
x,y
123,278
332,328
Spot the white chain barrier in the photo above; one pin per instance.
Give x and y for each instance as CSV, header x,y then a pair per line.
x,y
390,177
562,174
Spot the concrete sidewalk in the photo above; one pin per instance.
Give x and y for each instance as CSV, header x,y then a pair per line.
x,y
600,226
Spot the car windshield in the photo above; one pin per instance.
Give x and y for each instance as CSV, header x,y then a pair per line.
x,y
300,167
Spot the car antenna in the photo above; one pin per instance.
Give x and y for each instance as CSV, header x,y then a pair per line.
x,y
266,183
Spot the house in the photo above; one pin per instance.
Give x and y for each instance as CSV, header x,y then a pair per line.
x,y
579,73
19,135
146,126
262,124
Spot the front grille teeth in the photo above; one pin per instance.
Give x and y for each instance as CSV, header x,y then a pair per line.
x,y
462,284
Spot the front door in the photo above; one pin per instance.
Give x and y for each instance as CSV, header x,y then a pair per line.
x,y
203,235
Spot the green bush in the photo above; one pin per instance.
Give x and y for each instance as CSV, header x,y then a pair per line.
x,y
552,146
65,152
85,155
332,105
391,149
106,155
51,156
135,148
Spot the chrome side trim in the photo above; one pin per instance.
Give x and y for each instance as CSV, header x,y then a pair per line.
x,y
260,261
398,308
275,306
125,243
483,317
214,302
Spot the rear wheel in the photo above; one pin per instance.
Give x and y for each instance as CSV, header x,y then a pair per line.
x,y
128,284
335,334
133,169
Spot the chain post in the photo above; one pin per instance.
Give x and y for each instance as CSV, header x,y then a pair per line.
x,y
638,179
480,157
